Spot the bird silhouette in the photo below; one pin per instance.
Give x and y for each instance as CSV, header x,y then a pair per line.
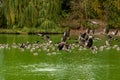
x,y
89,42
45,37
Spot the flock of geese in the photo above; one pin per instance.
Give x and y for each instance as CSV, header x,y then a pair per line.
x,y
85,41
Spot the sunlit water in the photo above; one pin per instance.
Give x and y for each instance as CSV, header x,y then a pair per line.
x,y
74,65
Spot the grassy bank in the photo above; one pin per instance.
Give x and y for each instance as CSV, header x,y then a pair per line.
x,y
31,31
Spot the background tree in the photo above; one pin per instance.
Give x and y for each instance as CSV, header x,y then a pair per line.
x,y
31,13
51,14
82,11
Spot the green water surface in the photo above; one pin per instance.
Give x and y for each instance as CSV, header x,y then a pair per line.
x,y
64,65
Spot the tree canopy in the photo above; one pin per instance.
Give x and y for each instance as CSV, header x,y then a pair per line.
x,y
55,13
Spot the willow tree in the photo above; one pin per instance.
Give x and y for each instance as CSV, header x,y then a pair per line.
x,y
2,16
112,10
31,13
49,13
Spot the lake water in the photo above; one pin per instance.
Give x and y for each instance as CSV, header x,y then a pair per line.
x,y
38,64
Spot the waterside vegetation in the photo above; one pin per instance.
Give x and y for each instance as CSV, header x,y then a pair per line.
x,y
50,16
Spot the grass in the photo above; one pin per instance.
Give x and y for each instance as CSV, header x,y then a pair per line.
x,y
31,30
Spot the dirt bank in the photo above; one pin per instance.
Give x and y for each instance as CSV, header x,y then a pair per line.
x,y
97,31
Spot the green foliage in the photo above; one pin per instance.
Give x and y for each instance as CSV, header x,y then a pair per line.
x,y
28,13
48,24
105,10
43,14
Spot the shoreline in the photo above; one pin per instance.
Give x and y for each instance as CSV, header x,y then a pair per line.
x,y
72,32
30,33
12,31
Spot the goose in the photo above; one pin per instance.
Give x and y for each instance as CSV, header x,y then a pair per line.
x,y
45,37
63,38
89,42
81,38
107,42
61,45
22,45
88,30
115,33
67,33
39,34
92,31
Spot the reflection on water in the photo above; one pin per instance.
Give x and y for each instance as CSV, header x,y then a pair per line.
x,y
44,69
63,71
59,71
39,68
